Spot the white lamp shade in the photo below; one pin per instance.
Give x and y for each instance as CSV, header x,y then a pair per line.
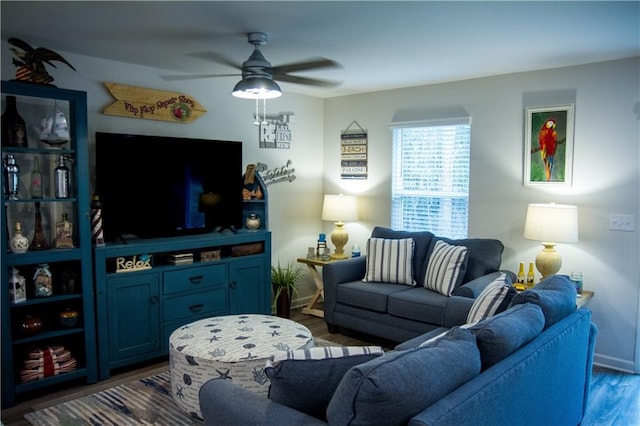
x,y
340,208
551,222
257,87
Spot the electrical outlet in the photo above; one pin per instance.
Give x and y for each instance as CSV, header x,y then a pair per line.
x,y
622,222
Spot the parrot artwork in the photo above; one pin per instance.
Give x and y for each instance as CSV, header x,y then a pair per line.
x,y
548,141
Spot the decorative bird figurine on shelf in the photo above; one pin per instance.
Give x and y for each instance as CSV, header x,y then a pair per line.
x,y
548,141
30,62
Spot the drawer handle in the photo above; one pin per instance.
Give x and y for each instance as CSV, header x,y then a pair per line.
x,y
197,279
233,284
196,308
154,300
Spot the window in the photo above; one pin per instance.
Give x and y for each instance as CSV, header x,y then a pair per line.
x,y
430,177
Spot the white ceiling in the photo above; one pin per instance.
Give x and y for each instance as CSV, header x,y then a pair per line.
x,y
380,44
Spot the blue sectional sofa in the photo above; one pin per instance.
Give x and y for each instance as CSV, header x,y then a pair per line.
x,y
528,365
397,312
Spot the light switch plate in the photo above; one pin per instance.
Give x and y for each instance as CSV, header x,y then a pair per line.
x,y
622,222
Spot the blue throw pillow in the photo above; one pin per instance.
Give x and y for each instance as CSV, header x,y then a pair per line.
x,y
393,388
305,379
556,295
503,334
484,256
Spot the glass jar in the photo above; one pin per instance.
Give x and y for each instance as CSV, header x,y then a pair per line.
x,y
43,281
253,221
576,278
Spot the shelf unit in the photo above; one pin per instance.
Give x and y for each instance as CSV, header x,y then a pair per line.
x,y
67,265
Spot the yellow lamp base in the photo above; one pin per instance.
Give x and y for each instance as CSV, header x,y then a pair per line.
x,y
339,238
548,261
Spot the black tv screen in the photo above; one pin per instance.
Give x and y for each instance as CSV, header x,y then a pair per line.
x,y
158,186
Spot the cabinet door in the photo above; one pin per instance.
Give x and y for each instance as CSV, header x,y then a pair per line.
x,y
247,285
134,315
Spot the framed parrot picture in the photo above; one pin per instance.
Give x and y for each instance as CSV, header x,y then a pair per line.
x,y
548,151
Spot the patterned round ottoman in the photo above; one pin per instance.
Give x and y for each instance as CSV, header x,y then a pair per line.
x,y
232,347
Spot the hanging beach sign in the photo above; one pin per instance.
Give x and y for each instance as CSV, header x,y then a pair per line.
x,y
353,152
152,104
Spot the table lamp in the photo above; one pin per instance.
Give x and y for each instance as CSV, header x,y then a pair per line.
x,y
551,223
340,209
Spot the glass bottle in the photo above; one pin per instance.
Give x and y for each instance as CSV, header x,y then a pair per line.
x,y
39,241
36,179
62,183
531,278
64,233
11,177
18,243
14,129
521,277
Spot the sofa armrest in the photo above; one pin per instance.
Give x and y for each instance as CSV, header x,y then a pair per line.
x,y
224,403
473,288
457,311
336,273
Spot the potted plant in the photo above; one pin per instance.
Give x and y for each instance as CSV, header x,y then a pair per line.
x,y
283,281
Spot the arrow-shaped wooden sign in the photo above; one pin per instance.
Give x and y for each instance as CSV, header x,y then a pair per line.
x,y
152,104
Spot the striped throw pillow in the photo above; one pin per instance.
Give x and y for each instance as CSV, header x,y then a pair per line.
x,y
390,261
443,269
487,303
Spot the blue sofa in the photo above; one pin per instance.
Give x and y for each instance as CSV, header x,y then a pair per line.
x,y
397,312
528,365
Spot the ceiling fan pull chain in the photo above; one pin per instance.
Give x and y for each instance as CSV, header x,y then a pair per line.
x,y
257,120
264,112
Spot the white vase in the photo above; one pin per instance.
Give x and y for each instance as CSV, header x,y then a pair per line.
x,y
18,243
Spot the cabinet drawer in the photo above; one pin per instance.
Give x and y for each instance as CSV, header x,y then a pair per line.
x,y
196,304
194,278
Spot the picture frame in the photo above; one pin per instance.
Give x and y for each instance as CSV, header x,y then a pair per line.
x,y
548,159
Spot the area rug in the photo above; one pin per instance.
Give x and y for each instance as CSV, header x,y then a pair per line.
x,y
146,401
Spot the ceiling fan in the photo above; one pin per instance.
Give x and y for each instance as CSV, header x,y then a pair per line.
x,y
259,76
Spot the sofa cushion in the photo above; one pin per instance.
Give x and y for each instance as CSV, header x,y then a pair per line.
x,y
418,304
494,299
445,268
422,241
368,296
501,335
556,295
396,386
389,261
484,255
305,379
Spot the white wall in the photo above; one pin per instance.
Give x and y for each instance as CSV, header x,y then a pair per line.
x,y
606,177
606,168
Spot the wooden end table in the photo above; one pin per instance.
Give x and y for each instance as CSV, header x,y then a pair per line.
x,y
584,298
312,264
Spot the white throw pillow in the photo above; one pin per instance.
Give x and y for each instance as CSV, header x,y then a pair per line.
x,y
390,261
489,300
443,269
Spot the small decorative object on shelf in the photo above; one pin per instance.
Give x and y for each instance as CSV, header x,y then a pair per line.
x,y
208,255
14,129
11,177
30,62
31,325
54,131
68,318
321,244
36,179
134,263
97,235
251,189
62,179
17,287
39,241
253,222
18,243
311,253
43,281
46,362
64,233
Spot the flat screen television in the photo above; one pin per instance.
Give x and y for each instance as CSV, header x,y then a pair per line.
x,y
158,186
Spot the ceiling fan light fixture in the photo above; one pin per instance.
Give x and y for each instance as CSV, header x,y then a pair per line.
x,y
257,87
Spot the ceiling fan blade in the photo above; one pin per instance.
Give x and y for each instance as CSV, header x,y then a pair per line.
x,y
311,64
306,81
194,76
216,57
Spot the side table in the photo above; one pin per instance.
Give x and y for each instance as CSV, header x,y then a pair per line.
x,y
312,264
584,298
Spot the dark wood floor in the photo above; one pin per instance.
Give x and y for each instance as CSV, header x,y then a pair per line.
x,y
614,400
